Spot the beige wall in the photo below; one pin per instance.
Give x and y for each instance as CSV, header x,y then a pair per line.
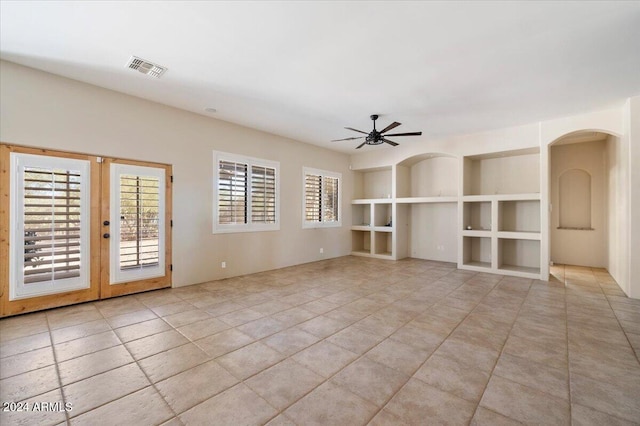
x,y
580,247
43,110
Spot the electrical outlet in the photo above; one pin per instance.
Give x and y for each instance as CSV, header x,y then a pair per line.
x,y
223,265
321,250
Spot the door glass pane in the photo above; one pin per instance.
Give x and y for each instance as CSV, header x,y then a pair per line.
x,y
139,219
137,225
50,237
51,224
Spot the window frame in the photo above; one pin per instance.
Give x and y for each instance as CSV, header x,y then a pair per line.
x,y
322,173
249,226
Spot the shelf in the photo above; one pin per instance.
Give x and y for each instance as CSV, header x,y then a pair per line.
x,y
383,228
523,269
426,200
476,233
372,201
485,266
361,228
503,197
521,235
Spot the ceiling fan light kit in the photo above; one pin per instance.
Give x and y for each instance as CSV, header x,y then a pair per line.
x,y
376,137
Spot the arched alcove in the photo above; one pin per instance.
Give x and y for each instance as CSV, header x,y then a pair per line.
x,y
428,175
575,199
580,175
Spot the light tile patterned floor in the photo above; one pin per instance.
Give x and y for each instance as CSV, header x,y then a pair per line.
x,y
346,341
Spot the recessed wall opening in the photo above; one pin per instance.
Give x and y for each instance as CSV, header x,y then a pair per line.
x,y
583,194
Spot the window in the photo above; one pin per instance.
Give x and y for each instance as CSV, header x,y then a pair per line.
x,y
321,198
245,194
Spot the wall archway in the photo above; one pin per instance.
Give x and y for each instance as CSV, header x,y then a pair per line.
x,y
599,240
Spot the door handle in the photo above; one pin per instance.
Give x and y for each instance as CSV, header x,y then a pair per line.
x,y
106,223
106,235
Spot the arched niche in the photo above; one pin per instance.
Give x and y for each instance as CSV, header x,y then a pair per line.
x,y
574,187
427,175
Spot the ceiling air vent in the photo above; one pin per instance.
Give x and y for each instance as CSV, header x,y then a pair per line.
x,y
146,67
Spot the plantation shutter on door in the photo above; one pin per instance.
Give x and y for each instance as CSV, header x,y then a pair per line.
x,y
138,223
50,201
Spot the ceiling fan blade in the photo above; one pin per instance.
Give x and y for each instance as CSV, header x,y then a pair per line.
x,y
356,130
390,126
392,143
405,134
348,139
361,145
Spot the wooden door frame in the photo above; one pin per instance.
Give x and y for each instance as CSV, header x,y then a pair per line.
x,y
106,289
13,307
99,212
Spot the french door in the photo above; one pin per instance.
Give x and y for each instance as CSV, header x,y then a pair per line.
x,y
77,227
136,227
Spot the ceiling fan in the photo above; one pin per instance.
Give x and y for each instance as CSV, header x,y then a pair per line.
x,y
376,137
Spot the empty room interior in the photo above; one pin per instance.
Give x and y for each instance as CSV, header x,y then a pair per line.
x,y
319,213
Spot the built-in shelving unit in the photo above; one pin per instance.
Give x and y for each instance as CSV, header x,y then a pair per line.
x,y
371,213
482,212
500,213
421,209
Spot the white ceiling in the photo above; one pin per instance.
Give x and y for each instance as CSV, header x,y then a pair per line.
x,y
307,69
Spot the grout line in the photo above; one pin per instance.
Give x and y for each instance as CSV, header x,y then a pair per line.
x,y
350,278
438,346
55,362
566,336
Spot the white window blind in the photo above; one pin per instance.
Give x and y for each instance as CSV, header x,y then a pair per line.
x,y
137,243
232,192
50,239
263,194
139,221
312,196
245,194
321,198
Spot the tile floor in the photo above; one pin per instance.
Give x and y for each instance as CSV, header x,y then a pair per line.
x,y
341,342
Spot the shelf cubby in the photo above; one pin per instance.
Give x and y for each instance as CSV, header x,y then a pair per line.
x,y
382,214
477,215
519,216
361,214
383,243
476,252
361,242
373,183
520,256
